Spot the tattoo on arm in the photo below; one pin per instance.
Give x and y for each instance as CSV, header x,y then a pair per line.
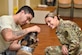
x,y
15,34
19,33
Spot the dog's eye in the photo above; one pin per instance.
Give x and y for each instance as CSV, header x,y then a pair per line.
x,y
33,34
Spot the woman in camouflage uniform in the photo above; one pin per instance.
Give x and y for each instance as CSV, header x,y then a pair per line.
x,y
69,35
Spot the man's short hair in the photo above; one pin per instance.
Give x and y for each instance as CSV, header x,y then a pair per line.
x,y
26,9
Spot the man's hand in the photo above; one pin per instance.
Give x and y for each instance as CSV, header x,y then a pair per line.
x,y
34,29
64,50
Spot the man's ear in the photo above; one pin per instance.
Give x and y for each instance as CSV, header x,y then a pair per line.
x,y
22,11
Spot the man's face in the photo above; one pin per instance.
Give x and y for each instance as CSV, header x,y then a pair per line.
x,y
25,18
51,22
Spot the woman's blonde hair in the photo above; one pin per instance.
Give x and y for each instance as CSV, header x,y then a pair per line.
x,y
51,14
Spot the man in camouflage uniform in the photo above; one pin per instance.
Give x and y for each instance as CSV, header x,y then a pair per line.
x,y
69,35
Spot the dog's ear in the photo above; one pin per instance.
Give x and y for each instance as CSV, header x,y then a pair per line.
x,y
25,40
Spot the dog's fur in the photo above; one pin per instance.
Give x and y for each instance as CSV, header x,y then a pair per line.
x,y
30,40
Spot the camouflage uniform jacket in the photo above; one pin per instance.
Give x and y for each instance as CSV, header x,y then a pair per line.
x,y
69,34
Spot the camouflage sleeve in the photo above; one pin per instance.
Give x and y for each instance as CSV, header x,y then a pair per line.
x,y
73,40
61,38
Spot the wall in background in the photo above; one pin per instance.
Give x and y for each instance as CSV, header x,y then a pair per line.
x,y
7,7
3,7
34,3
31,3
21,3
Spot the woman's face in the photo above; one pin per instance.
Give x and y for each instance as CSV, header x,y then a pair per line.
x,y
51,22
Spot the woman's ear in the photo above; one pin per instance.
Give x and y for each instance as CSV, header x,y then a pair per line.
x,y
55,17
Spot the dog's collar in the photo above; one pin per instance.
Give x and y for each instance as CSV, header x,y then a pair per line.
x,y
28,49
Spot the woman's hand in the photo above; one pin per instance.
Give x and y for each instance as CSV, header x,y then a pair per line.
x,y
64,50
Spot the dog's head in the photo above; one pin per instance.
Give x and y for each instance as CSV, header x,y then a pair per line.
x,y
30,40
